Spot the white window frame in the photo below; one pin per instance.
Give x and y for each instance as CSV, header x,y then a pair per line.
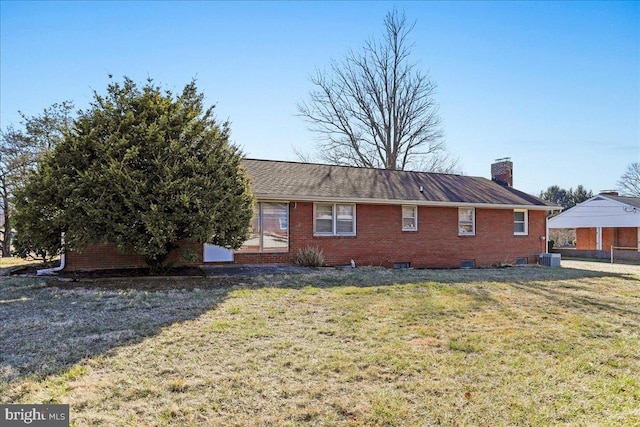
x,y
473,222
414,210
526,223
334,220
283,226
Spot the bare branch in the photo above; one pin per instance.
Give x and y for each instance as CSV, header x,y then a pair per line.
x,y
630,181
376,109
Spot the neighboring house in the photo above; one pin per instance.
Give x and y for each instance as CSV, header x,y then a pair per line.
x,y
602,222
374,217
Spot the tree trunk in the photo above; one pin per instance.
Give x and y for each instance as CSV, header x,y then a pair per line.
x,y
6,241
157,263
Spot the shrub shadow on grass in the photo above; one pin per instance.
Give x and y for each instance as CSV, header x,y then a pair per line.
x,y
569,298
377,276
47,327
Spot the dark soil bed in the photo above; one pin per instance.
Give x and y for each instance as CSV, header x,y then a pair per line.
x,y
132,272
147,283
32,270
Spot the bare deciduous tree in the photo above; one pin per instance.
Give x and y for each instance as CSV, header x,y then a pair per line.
x,y
630,180
377,109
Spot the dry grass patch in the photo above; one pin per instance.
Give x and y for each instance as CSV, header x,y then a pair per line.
x,y
369,347
12,261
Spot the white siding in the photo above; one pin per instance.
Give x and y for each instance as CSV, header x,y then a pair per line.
x,y
598,211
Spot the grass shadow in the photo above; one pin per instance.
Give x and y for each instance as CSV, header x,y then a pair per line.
x,y
568,298
47,327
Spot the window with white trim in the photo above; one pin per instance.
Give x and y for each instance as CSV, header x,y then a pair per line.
x,y
520,222
409,218
466,221
334,219
269,229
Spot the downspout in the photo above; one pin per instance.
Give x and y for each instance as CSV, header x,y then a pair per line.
x,y
545,242
54,270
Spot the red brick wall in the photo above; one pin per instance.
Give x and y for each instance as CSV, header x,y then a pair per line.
x,y
608,238
619,237
380,240
627,237
586,238
107,257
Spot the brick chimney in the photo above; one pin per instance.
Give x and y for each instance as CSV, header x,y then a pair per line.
x,y
502,172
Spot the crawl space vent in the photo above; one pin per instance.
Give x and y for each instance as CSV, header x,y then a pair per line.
x,y
521,261
469,263
401,265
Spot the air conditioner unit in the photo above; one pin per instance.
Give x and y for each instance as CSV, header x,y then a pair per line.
x,y
550,260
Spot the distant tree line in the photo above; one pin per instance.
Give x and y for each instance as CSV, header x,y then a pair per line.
x,y
566,198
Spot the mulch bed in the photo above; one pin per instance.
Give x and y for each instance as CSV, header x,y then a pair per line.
x,y
139,279
177,278
132,272
32,270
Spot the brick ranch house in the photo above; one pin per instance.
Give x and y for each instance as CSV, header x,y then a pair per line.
x,y
374,217
603,222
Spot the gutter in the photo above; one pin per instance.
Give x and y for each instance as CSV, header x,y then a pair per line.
x,y
372,201
54,270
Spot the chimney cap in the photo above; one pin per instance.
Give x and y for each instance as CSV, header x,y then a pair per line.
x,y
503,159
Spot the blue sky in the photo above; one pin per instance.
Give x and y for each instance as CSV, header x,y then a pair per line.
x,y
553,85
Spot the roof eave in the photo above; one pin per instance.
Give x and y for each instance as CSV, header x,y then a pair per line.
x,y
373,201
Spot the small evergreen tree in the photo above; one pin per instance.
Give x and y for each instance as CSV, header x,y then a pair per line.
x,y
142,169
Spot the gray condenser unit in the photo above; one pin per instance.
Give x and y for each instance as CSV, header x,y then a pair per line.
x,y
550,260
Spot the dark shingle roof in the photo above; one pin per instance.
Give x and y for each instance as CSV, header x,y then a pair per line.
x,y
305,181
632,201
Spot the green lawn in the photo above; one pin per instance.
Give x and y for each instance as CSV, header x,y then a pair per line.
x,y
368,347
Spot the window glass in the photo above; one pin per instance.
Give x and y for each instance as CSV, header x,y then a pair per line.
x,y
335,219
520,222
324,219
269,229
344,224
409,218
275,227
466,221
253,243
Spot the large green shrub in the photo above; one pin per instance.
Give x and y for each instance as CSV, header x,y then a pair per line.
x,y
142,169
